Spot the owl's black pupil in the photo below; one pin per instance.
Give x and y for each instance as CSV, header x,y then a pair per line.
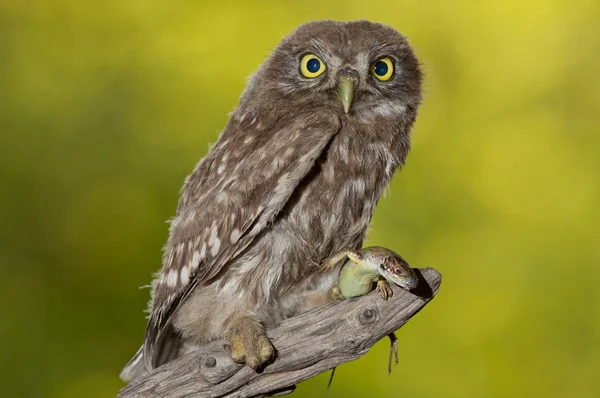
x,y
313,65
381,68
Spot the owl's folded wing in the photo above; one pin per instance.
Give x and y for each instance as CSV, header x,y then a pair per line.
x,y
234,193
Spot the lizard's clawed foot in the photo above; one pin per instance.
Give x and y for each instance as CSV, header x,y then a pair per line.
x,y
384,288
327,265
249,344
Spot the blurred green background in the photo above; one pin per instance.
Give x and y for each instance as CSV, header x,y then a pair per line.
x,y
105,107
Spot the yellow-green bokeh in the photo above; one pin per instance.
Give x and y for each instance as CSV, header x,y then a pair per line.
x,y
105,106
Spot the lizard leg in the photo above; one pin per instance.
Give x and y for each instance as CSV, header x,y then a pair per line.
x,y
393,350
329,263
249,344
384,288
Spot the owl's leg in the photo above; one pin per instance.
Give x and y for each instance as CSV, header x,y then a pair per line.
x,y
319,298
249,344
316,299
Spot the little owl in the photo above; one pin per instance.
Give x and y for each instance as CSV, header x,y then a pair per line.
x,y
294,177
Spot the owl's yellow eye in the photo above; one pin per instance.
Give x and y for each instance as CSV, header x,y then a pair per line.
x,y
311,66
383,69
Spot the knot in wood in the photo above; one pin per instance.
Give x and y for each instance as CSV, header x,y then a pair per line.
x,y
210,362
368,315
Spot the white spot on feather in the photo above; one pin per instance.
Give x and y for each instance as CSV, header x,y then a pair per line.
x,y
288,152
172,278
185,275
203,251
213,235
235,236
221,168
249,139
195,260
215,248
222,197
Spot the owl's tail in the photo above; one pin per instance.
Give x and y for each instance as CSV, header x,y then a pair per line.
x,y
135,367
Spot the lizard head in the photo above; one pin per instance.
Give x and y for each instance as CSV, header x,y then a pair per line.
x,y
392,267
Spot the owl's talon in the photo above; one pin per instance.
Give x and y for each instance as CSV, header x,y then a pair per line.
x,y
265,348
249,345
335,293
238,353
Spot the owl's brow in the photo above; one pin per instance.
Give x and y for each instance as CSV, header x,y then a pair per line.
x,y
385,50
319,47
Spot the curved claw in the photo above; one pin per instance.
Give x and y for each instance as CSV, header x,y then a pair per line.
x,y
249,345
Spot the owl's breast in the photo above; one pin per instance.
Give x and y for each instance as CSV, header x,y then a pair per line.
x,y
333,207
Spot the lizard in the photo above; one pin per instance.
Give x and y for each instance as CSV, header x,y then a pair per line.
x,y
365,267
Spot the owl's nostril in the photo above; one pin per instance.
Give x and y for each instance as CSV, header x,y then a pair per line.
x,y
349,73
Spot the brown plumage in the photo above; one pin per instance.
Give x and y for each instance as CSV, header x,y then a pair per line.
x,y
292,179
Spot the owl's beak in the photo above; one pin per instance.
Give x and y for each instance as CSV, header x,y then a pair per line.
x,y
347,82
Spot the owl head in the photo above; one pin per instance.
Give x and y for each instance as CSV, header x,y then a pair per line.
x,y
356,68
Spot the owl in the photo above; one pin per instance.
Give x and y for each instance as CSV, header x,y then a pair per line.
x,y
294,177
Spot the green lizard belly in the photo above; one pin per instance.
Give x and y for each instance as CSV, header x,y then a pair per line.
x,y
355,280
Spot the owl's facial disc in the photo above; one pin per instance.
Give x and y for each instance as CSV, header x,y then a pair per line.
x,y
348,80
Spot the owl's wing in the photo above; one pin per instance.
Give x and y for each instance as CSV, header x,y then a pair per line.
x,y
232,195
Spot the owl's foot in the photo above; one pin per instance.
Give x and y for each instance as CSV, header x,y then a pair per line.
x,y
335,293
318,299
249,344
384,288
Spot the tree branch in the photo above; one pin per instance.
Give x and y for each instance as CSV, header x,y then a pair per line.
x,y
306,346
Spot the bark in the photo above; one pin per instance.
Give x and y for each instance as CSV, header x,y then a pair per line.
x,y
305,346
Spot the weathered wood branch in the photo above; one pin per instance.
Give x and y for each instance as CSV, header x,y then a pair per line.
x,y
306,346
